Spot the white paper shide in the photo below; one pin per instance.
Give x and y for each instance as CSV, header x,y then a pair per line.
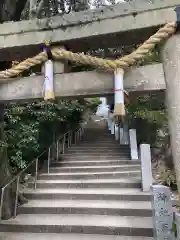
x,y
119,108
119,86
49,81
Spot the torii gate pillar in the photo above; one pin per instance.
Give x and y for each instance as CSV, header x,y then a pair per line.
x,y
171,65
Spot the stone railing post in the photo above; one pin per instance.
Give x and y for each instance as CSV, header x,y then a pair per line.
x,y
109,122
121,134
146,170
177,219
162,213
116,131
126,133
112,127
133,144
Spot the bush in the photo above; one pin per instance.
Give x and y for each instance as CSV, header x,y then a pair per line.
x,y
31,127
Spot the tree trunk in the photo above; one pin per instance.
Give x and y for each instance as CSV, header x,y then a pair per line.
x,y
47,8
10,10
1,8
5,169
80,5
7,10
33,9
5,172
19,7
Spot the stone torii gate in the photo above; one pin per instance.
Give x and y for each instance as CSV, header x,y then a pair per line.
x,y
129,23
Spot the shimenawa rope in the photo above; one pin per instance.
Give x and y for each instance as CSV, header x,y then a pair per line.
x,y
105,64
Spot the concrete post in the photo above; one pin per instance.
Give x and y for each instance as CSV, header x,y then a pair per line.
x,y
116,132
171,65
133,144
112,127
126,132
146,170
178,224
162,213
121,135
109,122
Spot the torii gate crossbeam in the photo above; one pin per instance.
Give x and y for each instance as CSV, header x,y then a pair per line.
x,y
146,78
129,23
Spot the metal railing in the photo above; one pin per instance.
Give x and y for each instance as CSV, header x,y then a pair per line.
x,y
65,140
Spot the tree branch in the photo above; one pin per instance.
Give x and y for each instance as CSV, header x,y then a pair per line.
x,y
55,7
33,9
1,10
20,5
39,8
61,4
47,8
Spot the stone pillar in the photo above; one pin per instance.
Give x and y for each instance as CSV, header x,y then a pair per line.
x,y
171,64
126,132
116,132
109,121
121,135
112,127
146,170
133,144
178,224
162,213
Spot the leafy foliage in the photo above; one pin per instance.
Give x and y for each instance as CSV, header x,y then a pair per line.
x,y
167,177
30,127
147,115
93,103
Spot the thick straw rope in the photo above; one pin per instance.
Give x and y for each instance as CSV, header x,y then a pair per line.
x,y
108,65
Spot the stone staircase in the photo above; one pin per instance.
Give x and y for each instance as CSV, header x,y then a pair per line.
x,y
94,192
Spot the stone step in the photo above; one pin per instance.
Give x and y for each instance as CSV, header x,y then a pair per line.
x,y
98,139
93,158
98,183
99,146
97,153
79,223
98,136
94,142
89,175
89,194
96,207
98,142
114,144
98,150
61,236
94,163
89,169
93,154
